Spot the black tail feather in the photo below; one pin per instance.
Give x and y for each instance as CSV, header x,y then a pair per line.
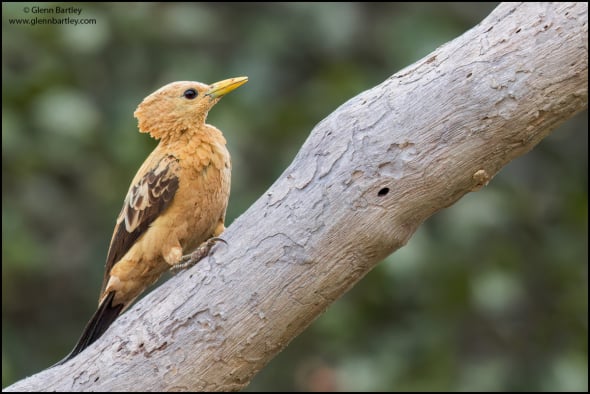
x,y
104,316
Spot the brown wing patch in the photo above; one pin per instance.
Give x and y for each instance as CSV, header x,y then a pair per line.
x,y
146,200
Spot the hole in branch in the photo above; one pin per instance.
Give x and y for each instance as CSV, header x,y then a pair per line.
x,y
383,192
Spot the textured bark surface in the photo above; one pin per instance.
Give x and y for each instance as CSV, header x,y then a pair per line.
x,y
365,179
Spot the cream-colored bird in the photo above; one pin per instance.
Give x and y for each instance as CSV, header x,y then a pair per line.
x,y
175,203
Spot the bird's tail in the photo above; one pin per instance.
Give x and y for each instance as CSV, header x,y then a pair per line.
x,y
104,316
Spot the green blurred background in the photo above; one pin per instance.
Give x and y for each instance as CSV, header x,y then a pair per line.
x,y
489,294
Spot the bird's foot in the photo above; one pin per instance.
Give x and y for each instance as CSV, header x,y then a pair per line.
x,y
193,258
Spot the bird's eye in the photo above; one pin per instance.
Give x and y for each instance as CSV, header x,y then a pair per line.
x,y
190,94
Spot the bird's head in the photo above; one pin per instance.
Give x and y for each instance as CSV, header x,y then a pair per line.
x,y
181,106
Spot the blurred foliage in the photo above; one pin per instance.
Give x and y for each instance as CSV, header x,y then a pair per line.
x,y
489,294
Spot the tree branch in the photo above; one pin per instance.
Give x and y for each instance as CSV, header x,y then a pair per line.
x,y
365,179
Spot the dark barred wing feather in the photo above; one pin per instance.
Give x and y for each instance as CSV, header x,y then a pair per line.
x,y
146,200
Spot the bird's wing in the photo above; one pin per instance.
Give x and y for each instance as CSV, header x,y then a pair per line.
x,y
145,201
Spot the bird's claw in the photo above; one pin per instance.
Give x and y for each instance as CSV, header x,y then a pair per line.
x,y
193,258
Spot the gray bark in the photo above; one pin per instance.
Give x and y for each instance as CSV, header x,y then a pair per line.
x,y
368,175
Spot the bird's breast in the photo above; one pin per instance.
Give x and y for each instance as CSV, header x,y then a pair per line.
x,y
203,194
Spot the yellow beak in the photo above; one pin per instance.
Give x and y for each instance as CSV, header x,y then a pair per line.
x,y
221,88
